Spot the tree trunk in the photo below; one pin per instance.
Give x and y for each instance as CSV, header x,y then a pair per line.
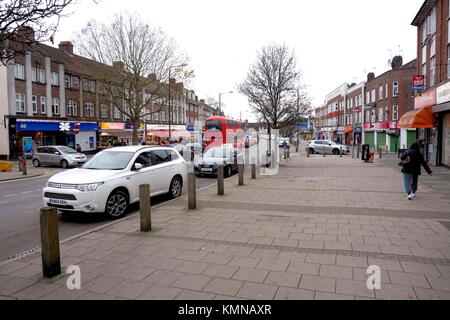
x,y
136,125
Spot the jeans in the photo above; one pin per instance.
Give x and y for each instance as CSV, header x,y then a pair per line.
x,y
411,182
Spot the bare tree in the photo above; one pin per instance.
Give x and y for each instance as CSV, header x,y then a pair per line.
x,y
135,62
25,22
273,88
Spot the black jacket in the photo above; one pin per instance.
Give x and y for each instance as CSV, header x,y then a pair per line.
x,y
416,160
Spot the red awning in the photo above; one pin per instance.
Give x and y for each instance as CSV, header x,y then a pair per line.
x,y
420,118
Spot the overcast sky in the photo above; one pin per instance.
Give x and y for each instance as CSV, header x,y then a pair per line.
x,y
334,41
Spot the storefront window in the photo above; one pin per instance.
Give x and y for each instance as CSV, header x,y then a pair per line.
x,y
446,140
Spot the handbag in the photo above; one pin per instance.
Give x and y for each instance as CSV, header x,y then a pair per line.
x,y
404,162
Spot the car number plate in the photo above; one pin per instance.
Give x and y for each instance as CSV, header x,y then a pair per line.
x,y
207,169
58,202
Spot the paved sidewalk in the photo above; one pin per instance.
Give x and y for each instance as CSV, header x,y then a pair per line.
x,y
309,232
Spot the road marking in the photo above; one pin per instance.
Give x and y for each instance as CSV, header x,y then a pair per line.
x,y
26,192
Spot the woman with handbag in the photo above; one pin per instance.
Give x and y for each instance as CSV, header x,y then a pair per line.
x,y
412,161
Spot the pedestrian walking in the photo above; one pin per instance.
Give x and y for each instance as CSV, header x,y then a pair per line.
x,y
412,161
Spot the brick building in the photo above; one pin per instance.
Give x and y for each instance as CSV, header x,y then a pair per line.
x,y
432,105
48,93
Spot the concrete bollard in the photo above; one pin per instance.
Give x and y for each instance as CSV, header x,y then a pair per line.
x,y
20,165
357,154
340,152
220,181
241,174
284,154
353,152
51,258
192,191
288,154
253,171
380,151
324,153
145,208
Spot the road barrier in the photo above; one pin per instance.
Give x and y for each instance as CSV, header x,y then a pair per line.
x,y
192,191
220,181
253,171
51,257
145,207
241,174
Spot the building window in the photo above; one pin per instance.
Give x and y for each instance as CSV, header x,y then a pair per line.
x,y
41,76
432,71
43,106
374,97
116,114
380,93
92,86
380,115
424,72
34,74
374,116
85,84
75,82
55,105
424,54
424,31
395,89
448,62
432,21
367,120
394,113
20,102
72,108
66,81
20,71
34,103
104,111
55,79
89,110
433,46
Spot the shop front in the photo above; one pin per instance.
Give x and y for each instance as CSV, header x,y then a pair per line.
x,y
442,112
50,132
118,134
157,133
423,120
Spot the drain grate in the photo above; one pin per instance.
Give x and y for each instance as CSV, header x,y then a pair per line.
x,y
445,224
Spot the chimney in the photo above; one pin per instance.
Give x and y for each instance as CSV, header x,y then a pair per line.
x,y
26,33
370,76
397,62
67,46
118,65
202,101
152,77
172,82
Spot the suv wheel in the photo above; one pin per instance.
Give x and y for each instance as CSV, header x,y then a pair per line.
x,y
64,164
228,172
117,204
36,163
311,151
336,152
176,187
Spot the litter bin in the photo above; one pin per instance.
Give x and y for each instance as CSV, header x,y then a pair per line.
x,y
365,152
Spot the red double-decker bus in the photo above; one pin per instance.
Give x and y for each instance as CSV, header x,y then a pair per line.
x,y
220,131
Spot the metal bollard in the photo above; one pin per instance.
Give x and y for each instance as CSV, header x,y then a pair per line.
x,y
380,151
20,165
145,207
353,152
24,168
253,171
51,257
284,154
241,174
358,149
340,152
220,181
192,189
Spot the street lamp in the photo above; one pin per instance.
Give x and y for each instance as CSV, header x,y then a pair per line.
x,y
170,102
220,99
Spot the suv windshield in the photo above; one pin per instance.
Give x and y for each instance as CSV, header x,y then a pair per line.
x,y
109,160
66,150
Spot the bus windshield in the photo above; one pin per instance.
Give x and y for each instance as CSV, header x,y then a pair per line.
x,y
214,125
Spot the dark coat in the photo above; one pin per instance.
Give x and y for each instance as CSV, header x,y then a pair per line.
x,y
416,161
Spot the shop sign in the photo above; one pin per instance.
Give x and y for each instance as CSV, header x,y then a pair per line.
x,y
22,125
129,126
425,100
393,125
164,127
376,126
418,82
443,93
112,126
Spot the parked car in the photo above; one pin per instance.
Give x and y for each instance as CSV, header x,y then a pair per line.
x,y
227,156
58,156
109,182
325,146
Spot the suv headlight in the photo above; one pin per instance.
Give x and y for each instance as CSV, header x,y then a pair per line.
x,y
89,186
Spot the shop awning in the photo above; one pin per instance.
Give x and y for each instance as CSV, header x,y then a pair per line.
x,y
420,118
344,132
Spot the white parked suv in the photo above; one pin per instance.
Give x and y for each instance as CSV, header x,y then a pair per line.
x,y
109,182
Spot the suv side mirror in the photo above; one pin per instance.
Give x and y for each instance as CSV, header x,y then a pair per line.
x,y
57,153
137,166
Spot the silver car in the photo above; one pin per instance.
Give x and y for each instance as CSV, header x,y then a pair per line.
x,y
325,146
58,156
